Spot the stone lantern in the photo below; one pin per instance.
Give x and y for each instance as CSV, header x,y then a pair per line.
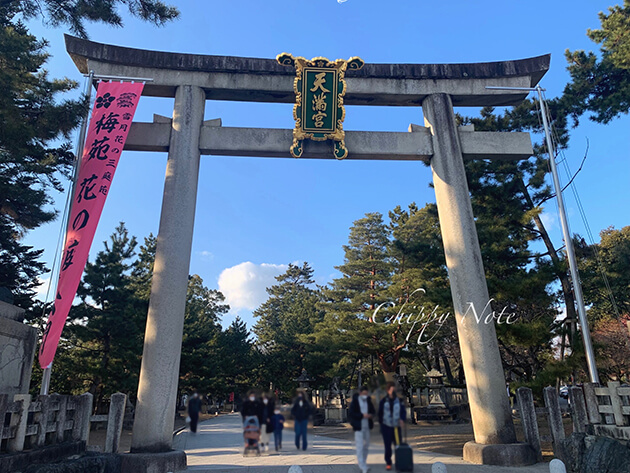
x,y
303,382
436,389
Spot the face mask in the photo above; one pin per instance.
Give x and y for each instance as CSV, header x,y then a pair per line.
x,y
266,401
276,411
364,397
252,398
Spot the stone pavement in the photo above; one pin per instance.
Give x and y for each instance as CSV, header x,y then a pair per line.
x,y
217,447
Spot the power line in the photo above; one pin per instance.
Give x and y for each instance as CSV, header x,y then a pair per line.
x,y
578,200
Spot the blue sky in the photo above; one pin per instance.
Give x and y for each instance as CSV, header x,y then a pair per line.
x,y
256,215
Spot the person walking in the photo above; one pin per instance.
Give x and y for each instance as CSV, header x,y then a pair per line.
x,y
361,415
391,415
301,411
251,408
266,428
194,406
277,421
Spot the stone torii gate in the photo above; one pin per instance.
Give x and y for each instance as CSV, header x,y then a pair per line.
x,y
437,88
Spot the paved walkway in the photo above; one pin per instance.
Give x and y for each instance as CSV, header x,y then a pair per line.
x,y
217,447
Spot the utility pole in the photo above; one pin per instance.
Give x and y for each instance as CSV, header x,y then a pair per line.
x,y
568,241
575,277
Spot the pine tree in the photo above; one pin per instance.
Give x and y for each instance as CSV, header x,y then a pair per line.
x,y
32,150
351,301
601,84
238,361
286,323
201,344
74,13
419,264
610,258
142,270
104,341
35,148
507,198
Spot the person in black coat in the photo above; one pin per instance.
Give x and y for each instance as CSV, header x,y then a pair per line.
x,y
301,411
361,416
194,406
392,415
252,408
267,407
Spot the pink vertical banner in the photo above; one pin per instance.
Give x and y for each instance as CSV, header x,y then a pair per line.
x,y
107,132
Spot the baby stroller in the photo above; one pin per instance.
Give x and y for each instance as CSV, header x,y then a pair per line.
x,y
251,435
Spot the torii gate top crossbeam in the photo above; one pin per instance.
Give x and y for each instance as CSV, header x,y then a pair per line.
x,y
264,80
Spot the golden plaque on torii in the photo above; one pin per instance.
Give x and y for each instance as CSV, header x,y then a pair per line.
x,y
319,112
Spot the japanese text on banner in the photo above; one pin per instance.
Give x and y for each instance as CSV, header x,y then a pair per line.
x,y
109,126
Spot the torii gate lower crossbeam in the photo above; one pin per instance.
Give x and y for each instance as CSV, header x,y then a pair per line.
x,y
193,79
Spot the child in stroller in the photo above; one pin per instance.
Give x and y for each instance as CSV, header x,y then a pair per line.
x,y
251,435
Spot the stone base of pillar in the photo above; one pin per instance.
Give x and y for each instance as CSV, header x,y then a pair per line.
x,y
164,462
507,454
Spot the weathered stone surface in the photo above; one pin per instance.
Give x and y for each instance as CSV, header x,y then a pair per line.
x,y
529,419
582,453
157,389
489,404
613,431
81,50
10,311
115,422
554,415
591,403
578,409
260,80
17,462
512,454
88,463
275,142
165,462
17,349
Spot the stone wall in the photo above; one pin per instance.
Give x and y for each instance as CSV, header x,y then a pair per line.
x,y
17,349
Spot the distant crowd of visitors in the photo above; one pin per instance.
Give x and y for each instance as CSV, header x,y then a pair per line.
x,y
270,420
264,412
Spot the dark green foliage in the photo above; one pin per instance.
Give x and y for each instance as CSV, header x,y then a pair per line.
x,y
102,346
419,264
34,149
351,301
74,13
507,198
19,265
611,256
600,84
200,366
237,361
418,255
285,327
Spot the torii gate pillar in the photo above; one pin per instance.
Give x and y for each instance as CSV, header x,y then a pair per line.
x,y
159,375
495,438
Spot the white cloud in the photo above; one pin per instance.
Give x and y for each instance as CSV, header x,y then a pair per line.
x,y
244,284
42,289
549,220
206,255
